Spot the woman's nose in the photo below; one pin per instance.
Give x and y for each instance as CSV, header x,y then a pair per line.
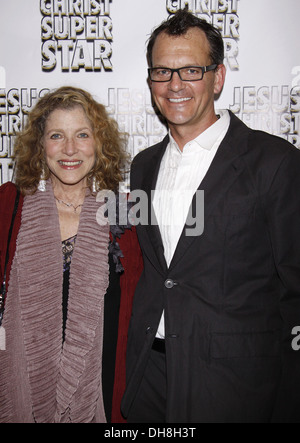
x,y
70,146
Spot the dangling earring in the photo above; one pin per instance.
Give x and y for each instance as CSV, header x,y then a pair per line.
x,y
94,186
42,183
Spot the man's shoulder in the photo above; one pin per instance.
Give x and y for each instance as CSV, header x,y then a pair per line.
x,y
262,144
273,148
264,139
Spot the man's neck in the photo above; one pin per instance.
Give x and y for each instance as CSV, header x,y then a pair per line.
x,y
185,133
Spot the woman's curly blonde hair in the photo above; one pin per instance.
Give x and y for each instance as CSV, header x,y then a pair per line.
x,y
111,156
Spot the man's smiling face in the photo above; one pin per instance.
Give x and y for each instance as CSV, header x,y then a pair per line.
x,y
187,106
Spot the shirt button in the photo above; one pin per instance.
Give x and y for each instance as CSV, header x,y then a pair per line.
x,y
169,284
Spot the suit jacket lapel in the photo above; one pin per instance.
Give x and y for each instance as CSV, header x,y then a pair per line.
x,y
155,249
224,170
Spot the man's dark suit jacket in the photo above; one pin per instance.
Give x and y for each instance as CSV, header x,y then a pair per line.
x,y
236,299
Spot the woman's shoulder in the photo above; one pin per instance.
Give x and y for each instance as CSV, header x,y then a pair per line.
x,y
8,189
8,192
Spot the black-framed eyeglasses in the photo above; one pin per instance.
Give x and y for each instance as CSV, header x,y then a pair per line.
x,y
186,74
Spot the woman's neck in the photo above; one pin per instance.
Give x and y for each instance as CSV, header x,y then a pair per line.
x,y
74,194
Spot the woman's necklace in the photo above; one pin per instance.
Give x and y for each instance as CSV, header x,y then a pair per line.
x,y
69,205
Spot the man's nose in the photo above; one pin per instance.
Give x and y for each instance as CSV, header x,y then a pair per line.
x,y
176,84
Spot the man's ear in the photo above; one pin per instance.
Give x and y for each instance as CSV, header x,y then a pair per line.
x,y
219,79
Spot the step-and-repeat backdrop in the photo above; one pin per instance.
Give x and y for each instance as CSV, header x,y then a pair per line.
x,y
100,45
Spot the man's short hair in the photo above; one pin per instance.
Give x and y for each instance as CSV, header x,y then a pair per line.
x,y
179,24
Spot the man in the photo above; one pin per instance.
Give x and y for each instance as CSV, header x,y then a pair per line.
x,y
213,317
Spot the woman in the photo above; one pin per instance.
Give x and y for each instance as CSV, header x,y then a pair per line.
x,y
60,354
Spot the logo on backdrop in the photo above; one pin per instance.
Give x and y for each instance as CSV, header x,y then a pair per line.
x,y
133,111
15,104
273,109
223,14
76,35
2,78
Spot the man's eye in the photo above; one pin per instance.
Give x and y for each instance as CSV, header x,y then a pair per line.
x,y
163,72
193,71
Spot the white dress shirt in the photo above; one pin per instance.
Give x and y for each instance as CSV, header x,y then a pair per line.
x,y
180,174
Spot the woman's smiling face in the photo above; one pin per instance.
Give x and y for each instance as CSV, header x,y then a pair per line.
x,y
69,146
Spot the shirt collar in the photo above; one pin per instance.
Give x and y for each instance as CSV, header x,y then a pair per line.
x,y
208,138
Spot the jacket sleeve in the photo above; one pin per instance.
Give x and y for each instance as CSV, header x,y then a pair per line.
x,y
133,265
282,207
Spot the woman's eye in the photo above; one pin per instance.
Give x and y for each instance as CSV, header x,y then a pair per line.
x,y
83,135
55,136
